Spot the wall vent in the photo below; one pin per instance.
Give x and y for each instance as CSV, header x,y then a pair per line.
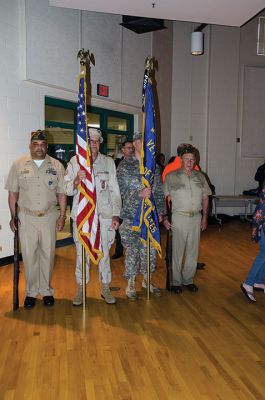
x,y
261,37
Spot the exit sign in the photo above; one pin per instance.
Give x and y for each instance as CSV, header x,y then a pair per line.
x,y
102,90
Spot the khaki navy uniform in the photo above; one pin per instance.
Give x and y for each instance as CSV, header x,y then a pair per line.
x,y
37,188
186,194
108,206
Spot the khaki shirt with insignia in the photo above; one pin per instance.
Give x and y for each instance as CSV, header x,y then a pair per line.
x,y
107,188
37,187
186,192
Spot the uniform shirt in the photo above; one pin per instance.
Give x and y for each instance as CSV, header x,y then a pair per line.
x,y
130,183
186,192
173,166
107,188
37,187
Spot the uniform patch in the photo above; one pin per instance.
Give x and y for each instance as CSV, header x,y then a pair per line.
x,y
51,171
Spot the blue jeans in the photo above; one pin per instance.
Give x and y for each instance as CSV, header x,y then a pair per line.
x,y
257,271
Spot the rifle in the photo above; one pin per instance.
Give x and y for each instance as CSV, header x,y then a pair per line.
x,y
16,263
168,257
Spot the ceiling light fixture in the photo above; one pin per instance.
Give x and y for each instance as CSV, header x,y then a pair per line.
x,y
197,45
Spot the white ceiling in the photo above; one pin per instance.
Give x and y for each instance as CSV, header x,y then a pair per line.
x,y
220,12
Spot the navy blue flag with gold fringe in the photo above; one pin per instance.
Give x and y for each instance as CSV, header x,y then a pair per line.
x,y
146,218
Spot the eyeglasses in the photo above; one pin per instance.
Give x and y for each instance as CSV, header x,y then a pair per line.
x,y
188,159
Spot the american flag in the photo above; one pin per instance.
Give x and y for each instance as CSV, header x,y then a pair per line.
x,y
87,216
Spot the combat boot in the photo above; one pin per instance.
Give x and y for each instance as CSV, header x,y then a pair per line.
x,y
130,290
78,299
153,289
106,294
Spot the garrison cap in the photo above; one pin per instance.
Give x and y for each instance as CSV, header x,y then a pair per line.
x,y
38,135
96,133
137,136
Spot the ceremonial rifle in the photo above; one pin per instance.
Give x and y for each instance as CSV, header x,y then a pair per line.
x,y
16,263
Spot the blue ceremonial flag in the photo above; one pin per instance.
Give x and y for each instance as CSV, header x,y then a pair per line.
x,y
146,218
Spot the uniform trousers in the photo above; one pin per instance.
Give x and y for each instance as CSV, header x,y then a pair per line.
x,y
37,237
107,235
136,254
185,247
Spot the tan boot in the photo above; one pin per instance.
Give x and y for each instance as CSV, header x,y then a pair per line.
x,y
78,299
130,290
153,289
106,294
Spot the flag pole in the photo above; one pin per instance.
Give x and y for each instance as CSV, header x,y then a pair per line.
x,y
148,267
84,56
149,67
84,276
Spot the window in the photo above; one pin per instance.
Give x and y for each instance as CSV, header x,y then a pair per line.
x,y
61,125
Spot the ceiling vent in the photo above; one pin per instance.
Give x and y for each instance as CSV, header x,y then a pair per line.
x,y
261,37
142,25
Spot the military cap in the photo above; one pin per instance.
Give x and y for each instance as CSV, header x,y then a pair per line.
x,y
39,135
137,136
96,133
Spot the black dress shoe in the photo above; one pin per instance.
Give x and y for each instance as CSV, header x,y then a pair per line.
x,y
29,302
115,256
48,301
176,289
200,265
192,288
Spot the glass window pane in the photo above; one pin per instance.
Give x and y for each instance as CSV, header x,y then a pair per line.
x,y
117,124
59,114
93,120
114,143
57,135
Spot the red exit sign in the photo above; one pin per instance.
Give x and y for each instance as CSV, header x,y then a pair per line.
x,y
102,90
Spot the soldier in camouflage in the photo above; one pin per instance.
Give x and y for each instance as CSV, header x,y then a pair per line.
x,y
129,179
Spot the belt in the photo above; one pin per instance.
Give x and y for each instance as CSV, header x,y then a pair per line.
x,y
37,213
187,213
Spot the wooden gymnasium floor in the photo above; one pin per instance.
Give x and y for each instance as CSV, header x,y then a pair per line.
x,y
209,345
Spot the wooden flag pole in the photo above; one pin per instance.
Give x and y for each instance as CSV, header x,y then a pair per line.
x,y
148,267
149,67
85,58
84,276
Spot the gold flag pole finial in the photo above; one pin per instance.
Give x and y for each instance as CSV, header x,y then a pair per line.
x,y
149,65
85,57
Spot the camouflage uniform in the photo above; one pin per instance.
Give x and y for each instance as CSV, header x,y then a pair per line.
x,y
130,184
